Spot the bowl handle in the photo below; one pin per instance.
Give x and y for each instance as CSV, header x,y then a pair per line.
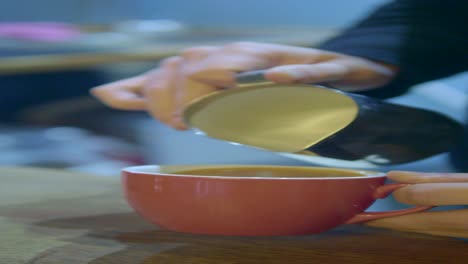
x,y
382,192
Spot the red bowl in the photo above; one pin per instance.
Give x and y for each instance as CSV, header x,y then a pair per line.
x,y
251,200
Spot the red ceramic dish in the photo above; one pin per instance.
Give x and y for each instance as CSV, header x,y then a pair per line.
x,y
281,201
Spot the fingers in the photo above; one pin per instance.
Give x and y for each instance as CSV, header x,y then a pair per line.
x,y
219,66
220,70
437,194
124,94
307,73
197,72
198,53
169,90
431,188
444,223
160,91
342,72
419,177
188,90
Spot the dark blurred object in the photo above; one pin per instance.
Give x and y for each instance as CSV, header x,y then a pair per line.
x,y
21,91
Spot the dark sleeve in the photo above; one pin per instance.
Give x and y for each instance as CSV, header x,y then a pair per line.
x,y
426,39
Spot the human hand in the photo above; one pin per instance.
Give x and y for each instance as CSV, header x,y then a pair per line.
x,y
438,189
167,90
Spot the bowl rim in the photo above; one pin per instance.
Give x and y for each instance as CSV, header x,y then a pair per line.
x,y
155,170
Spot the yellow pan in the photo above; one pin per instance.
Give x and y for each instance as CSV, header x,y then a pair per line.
x,y
320,124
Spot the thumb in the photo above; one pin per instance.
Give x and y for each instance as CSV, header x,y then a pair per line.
x,y
123,94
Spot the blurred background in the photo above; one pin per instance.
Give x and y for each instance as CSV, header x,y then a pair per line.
x,y
53,51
